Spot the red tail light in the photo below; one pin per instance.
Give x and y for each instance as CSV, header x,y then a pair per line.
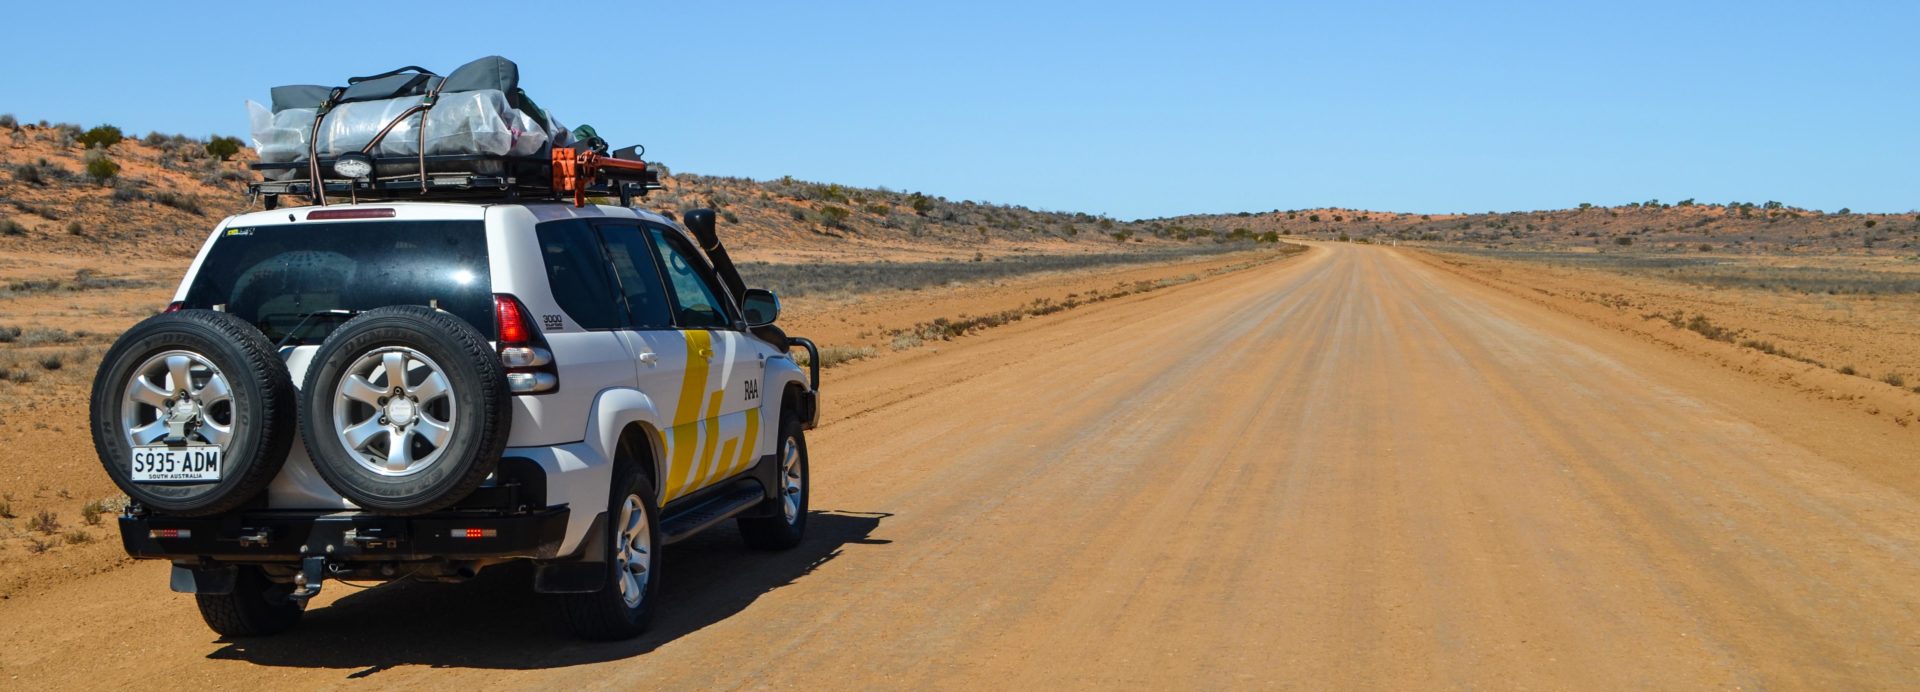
x,y
530,368
512,319
175,306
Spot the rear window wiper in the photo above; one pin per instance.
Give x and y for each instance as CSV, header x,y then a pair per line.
x,y
336,312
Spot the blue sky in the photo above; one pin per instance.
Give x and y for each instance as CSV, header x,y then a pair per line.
x,y
1132,109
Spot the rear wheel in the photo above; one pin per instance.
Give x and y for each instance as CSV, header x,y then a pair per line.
x,y
624,606
257,607
786,528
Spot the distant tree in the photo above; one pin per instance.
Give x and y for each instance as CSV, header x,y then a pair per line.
x,y
100,137
834,217
1585,206
226,147
1844,211
1688,202
921,203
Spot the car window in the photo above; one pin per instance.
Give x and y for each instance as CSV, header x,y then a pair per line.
x,y
633,265
695,299
289,279
577,273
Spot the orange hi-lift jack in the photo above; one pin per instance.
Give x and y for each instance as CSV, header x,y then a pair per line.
x,y
575,170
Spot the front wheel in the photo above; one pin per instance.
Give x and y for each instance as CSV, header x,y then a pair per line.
x,y
624,606
784,529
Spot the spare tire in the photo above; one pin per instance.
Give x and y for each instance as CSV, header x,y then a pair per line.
x,y
405,409
174,388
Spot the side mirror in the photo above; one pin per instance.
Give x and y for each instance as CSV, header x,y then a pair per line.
x,y
761,307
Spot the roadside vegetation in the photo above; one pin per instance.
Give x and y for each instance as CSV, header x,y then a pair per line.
x,y
816,278
1740,272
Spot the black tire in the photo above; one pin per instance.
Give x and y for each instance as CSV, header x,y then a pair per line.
x,y
783,529
257,607
605,615
474,407
259,410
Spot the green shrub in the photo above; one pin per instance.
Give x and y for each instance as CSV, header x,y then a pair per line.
x,y
101,137
101,168
8,121
1622,240
12,227
225,147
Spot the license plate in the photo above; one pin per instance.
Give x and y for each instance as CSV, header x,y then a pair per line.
x,y
172,464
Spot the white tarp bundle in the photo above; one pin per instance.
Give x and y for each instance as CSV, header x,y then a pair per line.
x,y
467,122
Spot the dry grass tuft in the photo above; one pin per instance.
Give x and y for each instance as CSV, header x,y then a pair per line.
x,y
45,522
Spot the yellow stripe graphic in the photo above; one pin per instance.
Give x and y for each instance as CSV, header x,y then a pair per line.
x,y
686,416
709,440
748,441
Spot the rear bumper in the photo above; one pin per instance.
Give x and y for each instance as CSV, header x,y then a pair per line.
x,y
345,537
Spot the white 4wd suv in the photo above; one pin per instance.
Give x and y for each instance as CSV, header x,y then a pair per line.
x,y
471,384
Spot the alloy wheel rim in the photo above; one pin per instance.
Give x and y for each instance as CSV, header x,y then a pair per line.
x,y
635,551
794,485
177,387
393,410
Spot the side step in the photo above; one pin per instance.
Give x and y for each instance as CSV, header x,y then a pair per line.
x,y
743,495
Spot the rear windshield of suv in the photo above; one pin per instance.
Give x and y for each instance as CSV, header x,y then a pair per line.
x,y
287,279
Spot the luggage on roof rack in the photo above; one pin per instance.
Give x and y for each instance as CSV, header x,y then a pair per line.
x,y
413,133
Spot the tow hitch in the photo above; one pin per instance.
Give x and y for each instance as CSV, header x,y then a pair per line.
x,y
306,584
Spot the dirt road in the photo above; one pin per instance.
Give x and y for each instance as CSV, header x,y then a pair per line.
x,y
1349,469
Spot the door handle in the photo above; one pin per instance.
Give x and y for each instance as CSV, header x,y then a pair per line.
x,y
649,358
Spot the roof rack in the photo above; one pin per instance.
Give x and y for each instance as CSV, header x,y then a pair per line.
x,y
566,172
